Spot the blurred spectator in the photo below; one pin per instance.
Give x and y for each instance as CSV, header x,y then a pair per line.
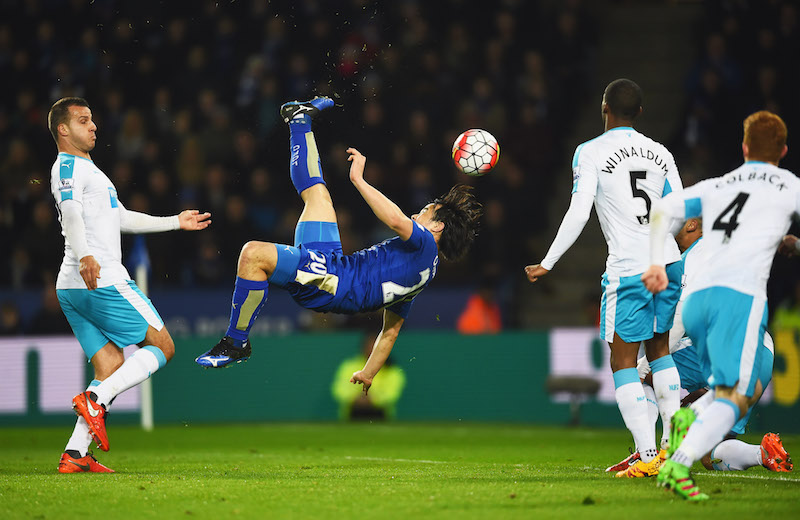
x,y
482,314
386,390
192,100
50,318
10,319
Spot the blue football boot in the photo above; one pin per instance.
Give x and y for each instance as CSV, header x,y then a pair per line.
x,y
224,353
295,109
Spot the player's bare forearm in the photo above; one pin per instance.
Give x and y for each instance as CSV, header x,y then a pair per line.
x,y
380,350
387,211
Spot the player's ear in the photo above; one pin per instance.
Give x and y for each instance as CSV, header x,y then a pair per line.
x,y
63,130
785,150
436,226
745,150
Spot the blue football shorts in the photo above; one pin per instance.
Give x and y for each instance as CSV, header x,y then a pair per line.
x,y
633,312
119,313
727,328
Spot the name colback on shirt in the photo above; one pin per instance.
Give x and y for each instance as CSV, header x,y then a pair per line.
x,y
771,178
633,151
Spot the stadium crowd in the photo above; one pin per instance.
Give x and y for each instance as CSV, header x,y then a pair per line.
x,y
187,109
187,101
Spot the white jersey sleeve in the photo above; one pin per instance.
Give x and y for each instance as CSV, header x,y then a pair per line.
x,y
80,180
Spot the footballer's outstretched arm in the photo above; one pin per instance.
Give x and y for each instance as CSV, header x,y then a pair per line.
x,y
380,350
136,222
387,211
578,213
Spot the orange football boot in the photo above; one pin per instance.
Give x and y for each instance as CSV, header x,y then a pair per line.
x,y
774,455
85,464
95,416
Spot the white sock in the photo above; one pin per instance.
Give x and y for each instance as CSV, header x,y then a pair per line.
x,y
633,407
735,455
652,405
667,387
707,431
81,439
702,402
138,367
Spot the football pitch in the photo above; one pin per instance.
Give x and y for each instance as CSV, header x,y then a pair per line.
x,y
371,470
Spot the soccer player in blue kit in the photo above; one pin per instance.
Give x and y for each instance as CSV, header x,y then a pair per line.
x,y
317,273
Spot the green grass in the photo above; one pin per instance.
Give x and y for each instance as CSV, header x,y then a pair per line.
x,y
373,471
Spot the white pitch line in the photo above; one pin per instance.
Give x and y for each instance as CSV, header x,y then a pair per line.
x,y
733,474
382,459
727,474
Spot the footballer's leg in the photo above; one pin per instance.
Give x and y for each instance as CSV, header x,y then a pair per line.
x,y
156,350
86,404
632,404
316,227
258,261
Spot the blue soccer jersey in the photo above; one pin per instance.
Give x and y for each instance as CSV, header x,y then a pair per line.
x,y
388,274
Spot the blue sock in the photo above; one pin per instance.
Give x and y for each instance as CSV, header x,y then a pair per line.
x,y
248,298
305,168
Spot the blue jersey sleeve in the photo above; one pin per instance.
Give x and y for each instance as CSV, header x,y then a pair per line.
x,y
417,238
401,308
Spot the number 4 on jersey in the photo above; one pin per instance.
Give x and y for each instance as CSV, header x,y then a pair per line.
x,y
734,208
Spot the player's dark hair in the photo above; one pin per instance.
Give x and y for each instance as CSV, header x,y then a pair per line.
x,y
59,113
460,212
624,98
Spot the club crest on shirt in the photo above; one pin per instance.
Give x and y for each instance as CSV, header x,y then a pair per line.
x,y
66,184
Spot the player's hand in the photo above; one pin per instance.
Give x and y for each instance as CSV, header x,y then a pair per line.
x,y
788,246
360,378
534,272
357,165
90,271
193,220
655,278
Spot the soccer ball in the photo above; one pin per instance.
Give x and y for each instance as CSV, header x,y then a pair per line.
x,y
476,152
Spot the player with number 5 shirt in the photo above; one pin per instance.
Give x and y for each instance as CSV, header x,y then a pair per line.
x,y
623,172
315,270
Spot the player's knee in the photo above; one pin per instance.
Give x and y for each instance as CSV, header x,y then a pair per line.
x,y
250,253
166,345
168,348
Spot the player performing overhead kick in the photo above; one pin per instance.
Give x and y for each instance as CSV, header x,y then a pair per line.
x,y
104,307
622,172
319,276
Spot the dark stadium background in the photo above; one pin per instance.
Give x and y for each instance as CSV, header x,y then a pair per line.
x,y
186,98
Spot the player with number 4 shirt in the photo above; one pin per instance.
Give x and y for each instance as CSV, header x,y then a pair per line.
x,y
316,272
746,214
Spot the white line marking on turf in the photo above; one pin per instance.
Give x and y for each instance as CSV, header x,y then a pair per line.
x,y
382,459
733,474
728,474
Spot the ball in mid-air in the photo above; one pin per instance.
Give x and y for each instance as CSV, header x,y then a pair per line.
x,y
476,152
